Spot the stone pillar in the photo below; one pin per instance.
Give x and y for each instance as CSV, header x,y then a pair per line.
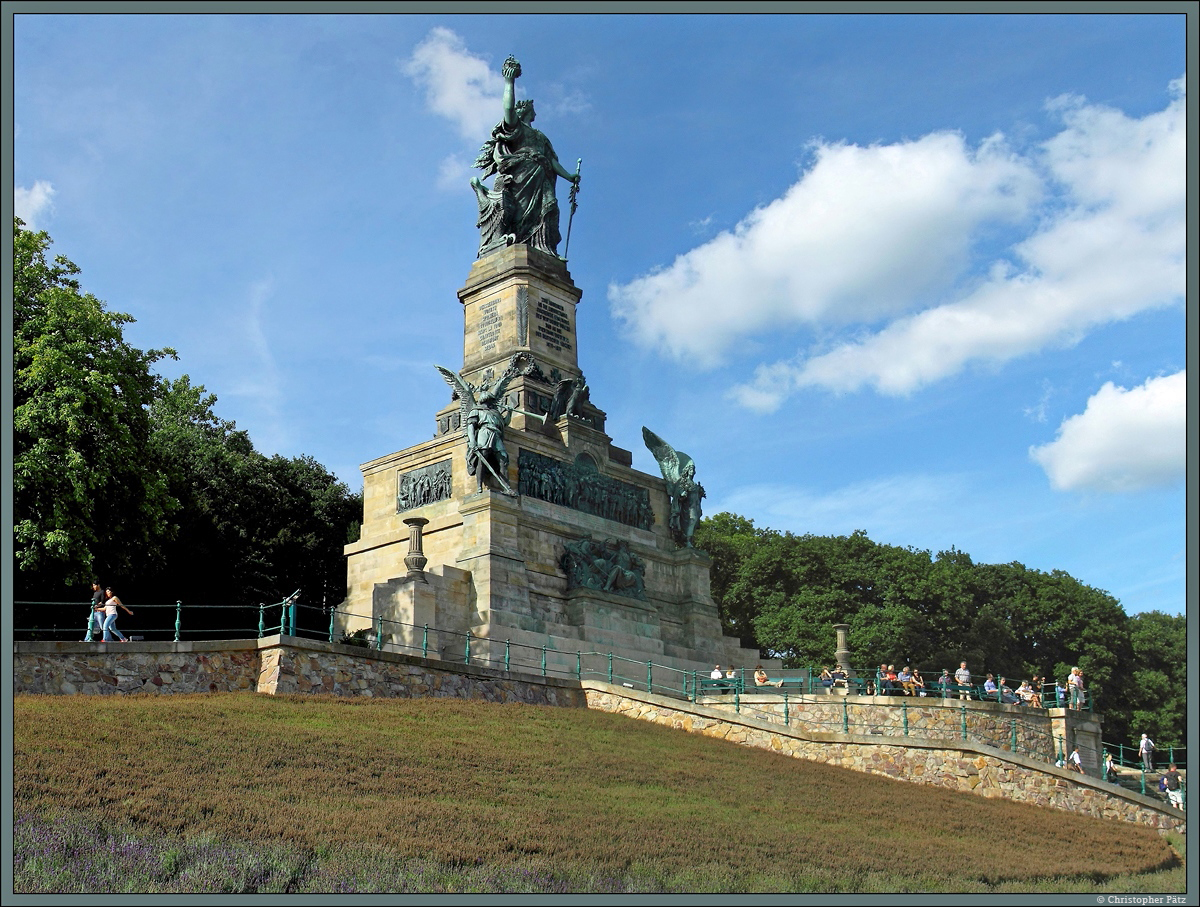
x,y
415,560
843,651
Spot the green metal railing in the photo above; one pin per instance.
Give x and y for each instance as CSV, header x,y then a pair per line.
x,y
168,621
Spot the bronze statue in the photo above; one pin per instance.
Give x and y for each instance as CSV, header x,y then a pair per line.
x,y
484,418
569,397
521,207
679,472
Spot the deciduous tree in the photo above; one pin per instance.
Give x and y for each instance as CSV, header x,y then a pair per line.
x,y
87,493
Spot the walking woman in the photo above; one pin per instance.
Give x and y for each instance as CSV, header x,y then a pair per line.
x,y
111,603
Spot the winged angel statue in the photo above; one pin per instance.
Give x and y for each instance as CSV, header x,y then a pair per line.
x,y
484,419
679,472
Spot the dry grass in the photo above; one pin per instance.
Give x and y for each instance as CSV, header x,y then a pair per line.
x,y
587,795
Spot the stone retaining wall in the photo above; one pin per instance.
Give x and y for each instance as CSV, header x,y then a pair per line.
x,y
924,718
972,768
142,667
269,665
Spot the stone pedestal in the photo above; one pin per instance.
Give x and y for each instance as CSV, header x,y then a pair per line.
x,y
497,566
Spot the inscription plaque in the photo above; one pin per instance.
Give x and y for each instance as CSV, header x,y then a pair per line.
x,y
554,327
489,325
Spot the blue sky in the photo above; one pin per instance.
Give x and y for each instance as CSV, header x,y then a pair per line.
x,y
917,275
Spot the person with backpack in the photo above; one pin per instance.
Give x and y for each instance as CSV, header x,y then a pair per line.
x,y
1171,781
1146,751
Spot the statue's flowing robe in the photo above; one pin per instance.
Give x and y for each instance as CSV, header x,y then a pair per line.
x,y
527,157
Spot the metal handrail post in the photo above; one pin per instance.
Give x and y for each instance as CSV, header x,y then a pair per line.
x,y
1014,735
737,700
467,654
904,715
845,718
964,719
649,676
261,625
610,667
578,665
787,718
425,642
332,614
543,660
507,644
292,618
1143,780
178,618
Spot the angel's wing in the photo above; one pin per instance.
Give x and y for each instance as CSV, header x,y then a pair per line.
x,y
669,460
466,399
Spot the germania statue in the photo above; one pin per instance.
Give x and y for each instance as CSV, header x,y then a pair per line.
x,y
679,472
521,206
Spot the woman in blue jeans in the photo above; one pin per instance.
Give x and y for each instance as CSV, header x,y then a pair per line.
x,y
111,603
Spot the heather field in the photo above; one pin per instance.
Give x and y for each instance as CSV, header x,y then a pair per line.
x,y
244,793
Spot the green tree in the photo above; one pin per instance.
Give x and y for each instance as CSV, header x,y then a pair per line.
x,y
1155,686
87,495
784,593
251,528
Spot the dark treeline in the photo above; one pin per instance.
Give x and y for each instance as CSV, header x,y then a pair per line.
x,y
783,593
125,476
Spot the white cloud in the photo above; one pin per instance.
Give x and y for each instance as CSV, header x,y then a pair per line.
x,y
454,173
31,204
257,378
459,86
886,234
1124,440
865,233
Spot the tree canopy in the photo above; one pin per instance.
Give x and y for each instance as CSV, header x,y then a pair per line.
x,y
784,592
84,495
121,474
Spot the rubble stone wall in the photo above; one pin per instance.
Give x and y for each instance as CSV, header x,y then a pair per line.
x,y
971,768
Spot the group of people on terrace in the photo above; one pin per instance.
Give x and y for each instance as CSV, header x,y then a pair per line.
x,y
1037,692
908,682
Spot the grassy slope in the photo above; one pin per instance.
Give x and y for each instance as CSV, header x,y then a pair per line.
x,y
582,794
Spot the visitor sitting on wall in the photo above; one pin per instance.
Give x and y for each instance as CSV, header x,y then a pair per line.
x,y
906,682
1006,693
989,689
883,686
1029,695
918,683
761,679
826,678
839,676
893,682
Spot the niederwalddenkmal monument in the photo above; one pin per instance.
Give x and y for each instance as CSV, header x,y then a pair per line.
x,y
521,521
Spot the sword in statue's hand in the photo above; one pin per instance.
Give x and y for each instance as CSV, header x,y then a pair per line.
x,y
574,204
